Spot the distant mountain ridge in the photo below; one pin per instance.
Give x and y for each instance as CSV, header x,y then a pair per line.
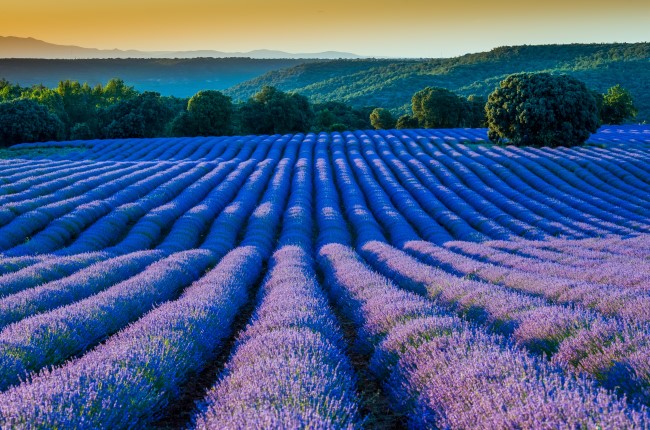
x,y
27,47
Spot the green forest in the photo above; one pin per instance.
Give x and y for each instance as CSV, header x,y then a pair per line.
x,y
391,83
329,96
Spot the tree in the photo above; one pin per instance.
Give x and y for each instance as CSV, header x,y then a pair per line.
x,y
406,121
272,111
617,106
541,109
79,102
338,116
476,111
48,98
116,91
144,116
439,108
9,91
382,119
209,113
25,120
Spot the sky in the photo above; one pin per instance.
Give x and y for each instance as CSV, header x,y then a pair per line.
x,y
383,28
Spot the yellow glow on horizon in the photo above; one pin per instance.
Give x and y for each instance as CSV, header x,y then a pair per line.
x,y
370,27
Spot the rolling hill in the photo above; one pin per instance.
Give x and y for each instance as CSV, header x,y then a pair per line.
x,y
391,83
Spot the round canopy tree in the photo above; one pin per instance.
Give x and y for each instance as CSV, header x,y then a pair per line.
x,y
27,121
541,109
435,107
617,106
382,119
406,121
210,114
272,111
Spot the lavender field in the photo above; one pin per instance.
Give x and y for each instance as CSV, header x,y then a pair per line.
x,y
369,279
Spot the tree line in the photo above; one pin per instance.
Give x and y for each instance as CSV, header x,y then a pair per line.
x,y
75,111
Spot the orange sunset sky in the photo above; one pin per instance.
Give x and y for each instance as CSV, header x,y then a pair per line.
x,y
403,28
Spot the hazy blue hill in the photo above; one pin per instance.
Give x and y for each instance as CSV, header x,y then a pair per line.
x,y
177,77
391,83
27,47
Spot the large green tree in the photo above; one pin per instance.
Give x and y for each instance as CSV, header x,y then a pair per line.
x,y
541,109
337,116
476,111
406,121
26,120
80,103
272,111
617,106
209,113
116,91
435,107
143,116
382,119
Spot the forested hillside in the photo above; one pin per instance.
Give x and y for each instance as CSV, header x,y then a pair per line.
x,y
391,83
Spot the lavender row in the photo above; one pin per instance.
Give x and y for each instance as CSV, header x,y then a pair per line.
x,y
493,198
44,270
545,184
505,192
568,335
597,181
499,306
114,213
142,368
630,274
135,374
392,152
26,217
78,286
55,336
44,181
68,195
533,191
23,168
150,229
187,231
610,301
273,175
621,173
477,212
384,312
123,214
288,369
13,264
554,186
417,348
571,255
629,167
511,188
612,246
90,216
